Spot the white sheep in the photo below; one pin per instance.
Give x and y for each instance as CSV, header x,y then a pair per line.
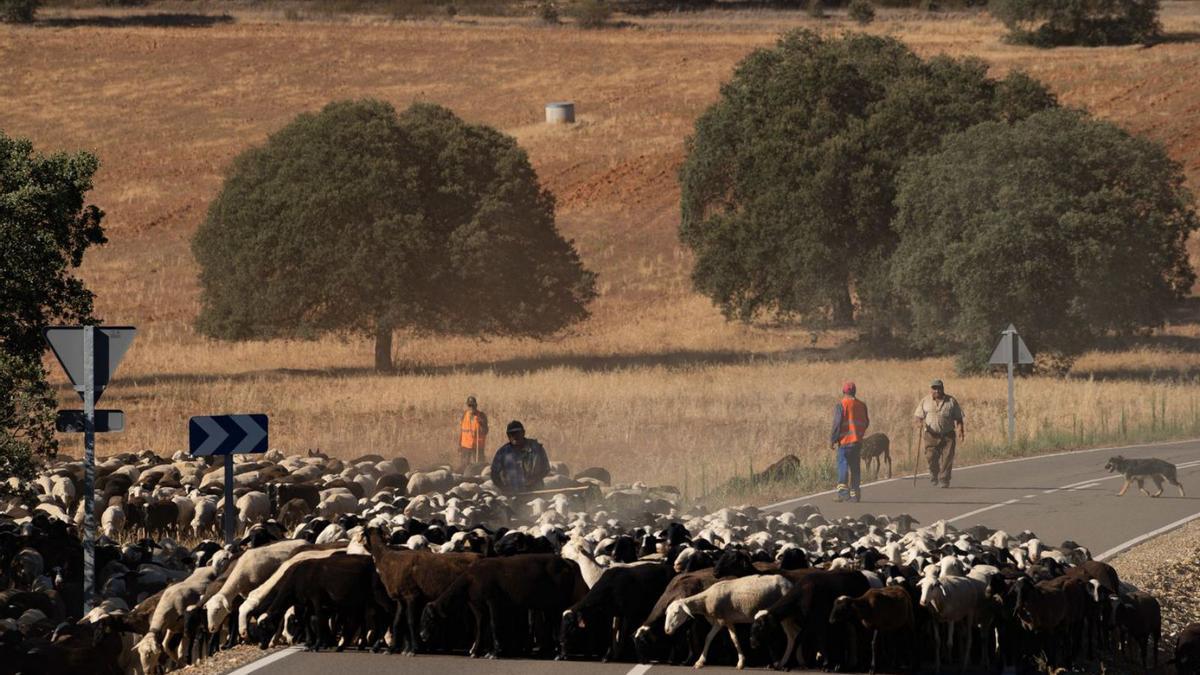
x,y
186,511
726,604
950,600
63,490
204,520
112,521
252,507
262,593
335,502
332,532
251,569
168,616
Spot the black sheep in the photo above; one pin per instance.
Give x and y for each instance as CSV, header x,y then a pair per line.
x,y
619,601
1187,651
806,609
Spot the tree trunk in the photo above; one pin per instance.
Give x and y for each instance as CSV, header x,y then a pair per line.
x,y
843,307
383,348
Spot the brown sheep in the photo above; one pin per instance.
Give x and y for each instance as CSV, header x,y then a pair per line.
x,y
1138,618
541,582
879,610
413,579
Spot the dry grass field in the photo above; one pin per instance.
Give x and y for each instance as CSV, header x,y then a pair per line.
x,y
656,386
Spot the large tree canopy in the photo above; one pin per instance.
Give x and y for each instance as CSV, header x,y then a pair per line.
x,y
1091,23
1067,226
45,227
356,219
789,180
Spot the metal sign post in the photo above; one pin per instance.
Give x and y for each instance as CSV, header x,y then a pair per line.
x,y
1010,351
89,467
228,435
89,355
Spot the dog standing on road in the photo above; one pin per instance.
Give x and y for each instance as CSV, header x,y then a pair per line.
x,y
1141,469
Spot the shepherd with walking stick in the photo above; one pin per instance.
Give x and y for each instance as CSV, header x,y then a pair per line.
x,y
939,415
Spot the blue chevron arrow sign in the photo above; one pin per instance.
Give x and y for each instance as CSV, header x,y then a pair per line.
x,y
227,435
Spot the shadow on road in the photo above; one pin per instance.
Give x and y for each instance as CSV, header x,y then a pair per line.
x,y
671,360
173,20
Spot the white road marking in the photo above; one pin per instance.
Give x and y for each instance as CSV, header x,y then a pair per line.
x,y
1149,535
799,500
1028,497
1086,486
267,660
968,514
640,669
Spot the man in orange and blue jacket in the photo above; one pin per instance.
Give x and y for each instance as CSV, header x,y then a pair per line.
x,y
850,422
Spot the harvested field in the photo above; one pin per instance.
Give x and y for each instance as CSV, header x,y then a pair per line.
x,y
656,381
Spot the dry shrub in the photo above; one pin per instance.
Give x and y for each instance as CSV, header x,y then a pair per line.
x,y
592,14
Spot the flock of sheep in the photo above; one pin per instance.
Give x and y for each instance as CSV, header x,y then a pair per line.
x,y
366,554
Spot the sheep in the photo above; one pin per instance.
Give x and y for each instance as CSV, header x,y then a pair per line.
x,y
335,502
293,512
161,518
204,517
1138,618
880,610
681,586
725,604
91,648
535,581
1187,651
341,583
1080,614
805,610
63,491
591,570
420,482
27,565
187,511
112,521
168,617
950,600
251,569
621,598
282,493
263,593
412,579
252,507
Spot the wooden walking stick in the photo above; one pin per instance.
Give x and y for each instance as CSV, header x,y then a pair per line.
x,y
912,453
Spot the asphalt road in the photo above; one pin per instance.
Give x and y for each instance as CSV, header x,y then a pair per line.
x,y
1058,497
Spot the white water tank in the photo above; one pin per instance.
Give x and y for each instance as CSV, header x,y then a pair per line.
x,y
562,112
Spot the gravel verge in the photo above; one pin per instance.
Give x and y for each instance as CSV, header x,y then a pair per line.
x,y
226,661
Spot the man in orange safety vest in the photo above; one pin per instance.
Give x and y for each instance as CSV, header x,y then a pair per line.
x,y
850,422
472,437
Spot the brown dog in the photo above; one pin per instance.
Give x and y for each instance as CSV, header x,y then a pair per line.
x,y
1140,469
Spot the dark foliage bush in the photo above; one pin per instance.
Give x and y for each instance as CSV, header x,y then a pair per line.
x,y
1089,23
861,11
18,11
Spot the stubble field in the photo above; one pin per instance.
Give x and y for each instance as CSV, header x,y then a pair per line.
x,y
656,385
